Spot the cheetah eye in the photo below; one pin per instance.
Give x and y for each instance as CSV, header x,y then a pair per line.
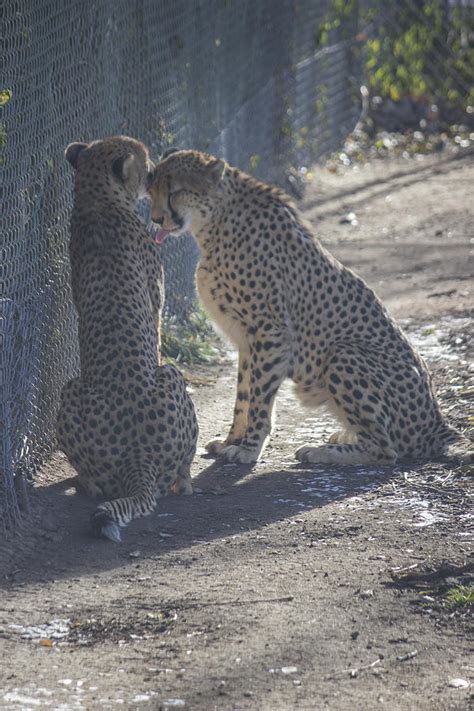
x,y
170,197
173,193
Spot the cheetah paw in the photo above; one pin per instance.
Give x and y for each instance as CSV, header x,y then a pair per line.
x,y
86,487
216,446
240,455
311,455
182,488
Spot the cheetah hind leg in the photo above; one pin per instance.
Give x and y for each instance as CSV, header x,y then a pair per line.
x,y
183,484
343,437
72,437
359,416
348,454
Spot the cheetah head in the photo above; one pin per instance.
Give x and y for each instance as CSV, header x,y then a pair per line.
x,y
184,188
119,164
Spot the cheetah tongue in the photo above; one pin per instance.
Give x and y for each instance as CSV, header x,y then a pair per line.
x,y
160,236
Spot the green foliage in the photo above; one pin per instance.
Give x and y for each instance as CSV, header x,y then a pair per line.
x,y
322,100
191,342
416,47
165,135
254,160
337,20
286,131
460,596
5,96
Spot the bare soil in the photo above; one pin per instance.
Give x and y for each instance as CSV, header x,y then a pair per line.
x,y
279,586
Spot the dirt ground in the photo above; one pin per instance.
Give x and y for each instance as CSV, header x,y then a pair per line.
x,y
282,586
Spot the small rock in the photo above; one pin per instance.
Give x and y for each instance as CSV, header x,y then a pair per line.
x,y
350,218
172,703
459,683
289,670
45,643
407,656
366,593
134,554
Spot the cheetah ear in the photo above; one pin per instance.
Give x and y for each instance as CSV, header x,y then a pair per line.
x,y
73,152
215,171
121,167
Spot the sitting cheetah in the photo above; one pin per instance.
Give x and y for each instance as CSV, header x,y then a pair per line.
x,y
294,311
126,424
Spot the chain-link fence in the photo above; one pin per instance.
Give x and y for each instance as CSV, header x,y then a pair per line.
x,y
268,84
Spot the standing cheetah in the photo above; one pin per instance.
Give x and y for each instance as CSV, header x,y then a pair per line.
x,y
294,311
126,424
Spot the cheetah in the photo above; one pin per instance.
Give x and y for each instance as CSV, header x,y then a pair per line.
x,y
294,311
127,424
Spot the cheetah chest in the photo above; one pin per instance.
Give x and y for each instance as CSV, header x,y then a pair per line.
x,y
212,294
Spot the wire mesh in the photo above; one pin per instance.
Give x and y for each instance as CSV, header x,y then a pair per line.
x,y
267,84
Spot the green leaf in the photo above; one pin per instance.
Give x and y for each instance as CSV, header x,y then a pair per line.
x,y
5,96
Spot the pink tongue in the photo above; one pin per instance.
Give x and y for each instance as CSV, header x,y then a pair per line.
x,y
160,236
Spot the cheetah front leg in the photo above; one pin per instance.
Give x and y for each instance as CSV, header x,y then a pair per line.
x,y
241,409
268,368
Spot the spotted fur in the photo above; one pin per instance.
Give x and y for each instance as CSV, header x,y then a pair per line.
x,y
126,424
294,311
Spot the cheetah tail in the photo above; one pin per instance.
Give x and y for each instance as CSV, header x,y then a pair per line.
x,y
110,516
104,527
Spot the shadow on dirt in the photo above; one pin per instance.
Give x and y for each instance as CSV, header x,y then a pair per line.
x,y
228,500
397,180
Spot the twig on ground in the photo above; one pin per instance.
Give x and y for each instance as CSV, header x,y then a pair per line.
x,y
445,570
191,605
398,573
353,672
